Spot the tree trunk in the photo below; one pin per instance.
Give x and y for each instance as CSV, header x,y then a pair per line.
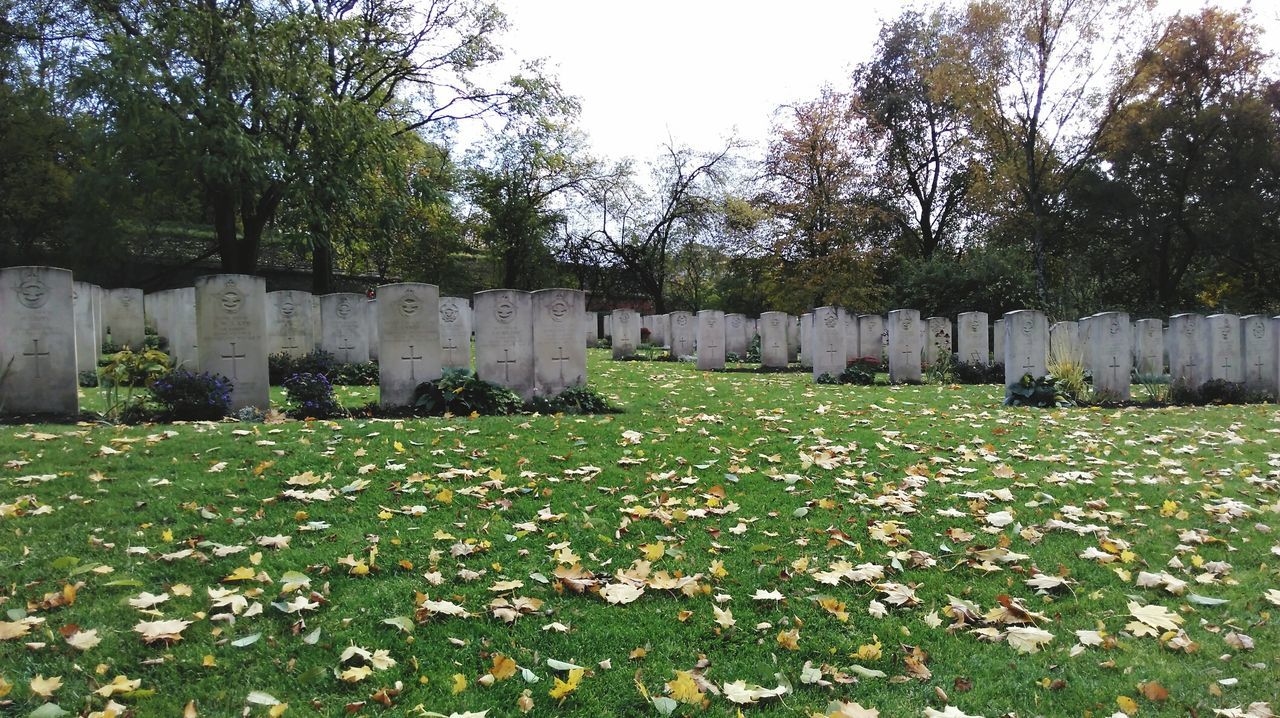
x,y
321,262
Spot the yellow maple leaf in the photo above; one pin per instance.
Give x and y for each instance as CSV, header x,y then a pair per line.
x,y
789,640
1127,704
459,683
562,689
503,667
870,651
242,573
398,447
685,689
5,687
44,687
445,496
653,551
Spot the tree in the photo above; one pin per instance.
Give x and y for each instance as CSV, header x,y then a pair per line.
x,y
1043,81
641,229
520,184
1194,168
812,173
923,155
273,100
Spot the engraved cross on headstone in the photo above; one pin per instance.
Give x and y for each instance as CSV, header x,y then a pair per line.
x,y
412,358
451,348
561,359
233,357
507,361
346,348
831,350
1258,366
1115,368
1226,365
36,354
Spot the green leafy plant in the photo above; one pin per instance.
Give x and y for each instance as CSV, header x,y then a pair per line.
x,y
123,377
976,373
1071,378
310,395
940,369
1154,386
574,400
856,374
1034,391
187,395
461,392
826,378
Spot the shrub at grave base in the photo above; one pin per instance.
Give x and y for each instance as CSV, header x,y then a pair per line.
x,y
855,374
282,366
310,395
574,400
1216,391
129,371
461,392
644,335
868,364
1071,378
1040,392
975,373
188,396
88,378
753,352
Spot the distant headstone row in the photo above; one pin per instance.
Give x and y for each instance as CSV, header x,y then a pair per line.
x,y
52,327
1194,348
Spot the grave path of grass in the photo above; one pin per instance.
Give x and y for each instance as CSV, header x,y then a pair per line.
x,y
742,482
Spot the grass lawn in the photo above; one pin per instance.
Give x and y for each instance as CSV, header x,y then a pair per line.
x,y
893,547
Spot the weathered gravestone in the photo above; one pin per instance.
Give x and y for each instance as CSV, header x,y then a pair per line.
x,y
176,322
711,339
231,331
591,328
938,340
872,336
997,340
1084,337
559,359
793,338
626,333
1259,351
374,344
606,325
1112,349
1064,343
806,340
408,319
773,339
122,312
849,327
828,343
658,330
1025,335
455,333
86,328
344,326
1225,344
289,323
317,328
735,335
904,345
1148,341
971,338
503,320
37,342
682,334
1188,343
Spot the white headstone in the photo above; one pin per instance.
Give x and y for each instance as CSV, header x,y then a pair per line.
x,y
559,359
122,312
1084,336
683,334
1188,342
455,333
289,323
872,336
408,319
1112,349
904,345
938,340
1149,347
828,342
374,344
806,340
1259,351
852,341
176,322
626,333
1064,343
1225,344
1025,336
793,338
971,338
99,299
231,330
711,339
87,348
773,339
606,325
503,320
37,342
591,328
317,328
997,340
735,335
344,326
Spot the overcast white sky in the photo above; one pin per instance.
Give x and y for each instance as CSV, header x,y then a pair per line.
x,y
698,70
